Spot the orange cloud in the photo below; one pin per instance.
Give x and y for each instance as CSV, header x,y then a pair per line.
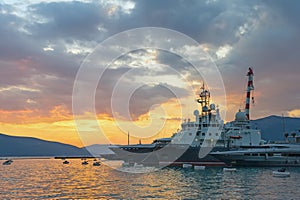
x,y
57,113
294,113
60,126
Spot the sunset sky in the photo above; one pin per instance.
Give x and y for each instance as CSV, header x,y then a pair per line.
x,y
43,45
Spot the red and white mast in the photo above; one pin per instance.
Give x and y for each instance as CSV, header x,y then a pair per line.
x,y
249,88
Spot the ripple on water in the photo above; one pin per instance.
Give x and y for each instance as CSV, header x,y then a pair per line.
x,y
50,179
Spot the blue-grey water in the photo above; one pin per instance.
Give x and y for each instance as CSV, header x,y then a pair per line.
x,y
50,179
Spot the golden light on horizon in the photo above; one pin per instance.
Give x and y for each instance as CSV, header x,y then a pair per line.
x,y
294,113
59,124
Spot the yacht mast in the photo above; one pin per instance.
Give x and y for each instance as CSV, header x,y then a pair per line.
x,y
128,138
204,100
250,87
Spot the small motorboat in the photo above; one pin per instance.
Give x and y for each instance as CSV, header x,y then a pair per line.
x,y
128,164
281,173
7,162
66,162
138,165
125,164
199,167
185,165
96,163
229,169
85,162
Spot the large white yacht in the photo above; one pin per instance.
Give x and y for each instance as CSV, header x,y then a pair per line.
x,y
255,153
194,142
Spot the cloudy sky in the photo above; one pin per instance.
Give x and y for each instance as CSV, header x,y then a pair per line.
x,y
43,44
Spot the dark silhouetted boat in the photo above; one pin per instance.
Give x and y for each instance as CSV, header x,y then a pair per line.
x,y
7,162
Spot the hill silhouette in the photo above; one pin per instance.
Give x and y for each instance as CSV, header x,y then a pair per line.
x,y
28,146
274,127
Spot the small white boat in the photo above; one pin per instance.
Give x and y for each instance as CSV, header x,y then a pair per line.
x,y
229,169
281,173
7,162
125,164
138,165
185,165
199,167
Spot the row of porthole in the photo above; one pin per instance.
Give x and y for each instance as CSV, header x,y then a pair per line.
x,y
203,134
204,125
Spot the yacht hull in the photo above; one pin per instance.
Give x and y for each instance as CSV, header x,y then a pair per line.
x,y
170,155
282,155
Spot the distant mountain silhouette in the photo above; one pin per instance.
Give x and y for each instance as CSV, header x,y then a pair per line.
x,y
27,146
272,127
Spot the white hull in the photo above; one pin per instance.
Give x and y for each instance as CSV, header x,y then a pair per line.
x,y
281,174
266,155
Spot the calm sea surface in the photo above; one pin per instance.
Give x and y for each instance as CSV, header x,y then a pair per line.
x,y
50,179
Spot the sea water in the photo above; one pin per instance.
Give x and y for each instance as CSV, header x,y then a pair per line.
x,y
50,179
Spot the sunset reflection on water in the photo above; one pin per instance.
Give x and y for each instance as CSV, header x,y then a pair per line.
x,y
50,179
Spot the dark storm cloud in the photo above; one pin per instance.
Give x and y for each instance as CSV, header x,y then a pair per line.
x,y
262,34
147,96
24,63
68,20
13,43
205,21
18,47
273,51
142,98
286,11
